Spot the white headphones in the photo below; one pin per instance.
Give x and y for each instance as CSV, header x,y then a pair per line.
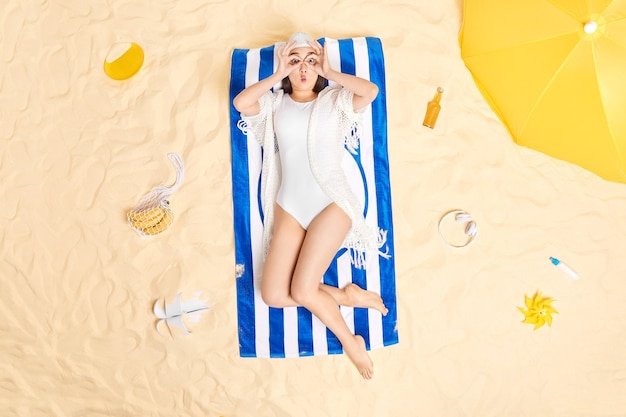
x,y
471,228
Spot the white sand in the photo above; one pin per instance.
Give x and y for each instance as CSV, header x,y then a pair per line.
x,y
78,149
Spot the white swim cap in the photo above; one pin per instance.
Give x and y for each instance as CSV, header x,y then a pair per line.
x,y
302,39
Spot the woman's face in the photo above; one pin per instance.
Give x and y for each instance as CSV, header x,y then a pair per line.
x,y
303,77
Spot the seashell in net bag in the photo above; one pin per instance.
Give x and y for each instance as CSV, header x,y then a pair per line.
x,y
152,214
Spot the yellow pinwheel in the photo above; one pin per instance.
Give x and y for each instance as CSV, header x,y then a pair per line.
x,y
538,310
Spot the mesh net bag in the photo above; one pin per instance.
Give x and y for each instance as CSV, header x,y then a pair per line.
x,y
152,214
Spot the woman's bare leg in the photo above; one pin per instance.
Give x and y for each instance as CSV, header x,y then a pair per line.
x,y
281,260
321,242
354,296
280,264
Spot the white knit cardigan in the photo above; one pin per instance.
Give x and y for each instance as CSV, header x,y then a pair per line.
x,y
332,125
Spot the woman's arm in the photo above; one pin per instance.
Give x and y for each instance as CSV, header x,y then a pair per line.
x,y
247,102
364,90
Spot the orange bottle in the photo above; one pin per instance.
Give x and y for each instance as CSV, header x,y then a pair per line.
x,y
432,111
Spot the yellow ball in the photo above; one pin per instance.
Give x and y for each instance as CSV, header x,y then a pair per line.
x,y
123,60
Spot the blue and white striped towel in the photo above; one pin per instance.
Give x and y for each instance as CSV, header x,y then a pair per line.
x,y
289,332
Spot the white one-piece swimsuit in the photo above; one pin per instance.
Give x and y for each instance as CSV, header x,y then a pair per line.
x,y
299,194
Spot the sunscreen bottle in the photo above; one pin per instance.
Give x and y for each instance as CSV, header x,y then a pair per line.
x,y
568,271
432,111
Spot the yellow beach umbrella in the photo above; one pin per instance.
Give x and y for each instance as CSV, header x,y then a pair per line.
x,y
554,71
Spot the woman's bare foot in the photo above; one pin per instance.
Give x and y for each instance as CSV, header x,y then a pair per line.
x,y
358,297
357,353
